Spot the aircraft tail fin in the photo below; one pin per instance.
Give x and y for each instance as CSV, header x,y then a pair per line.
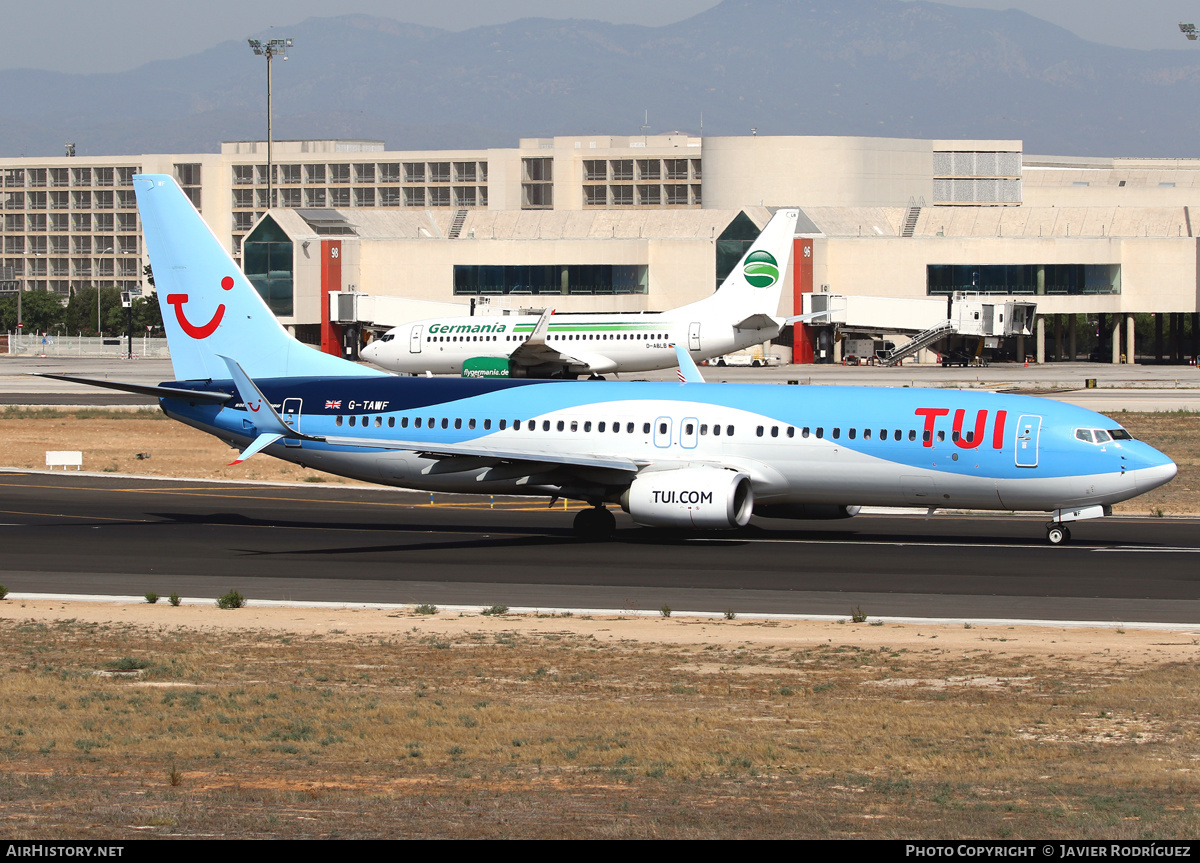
x,y
209,307
754,285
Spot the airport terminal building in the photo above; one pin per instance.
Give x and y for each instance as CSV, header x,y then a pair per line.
x,y
595,223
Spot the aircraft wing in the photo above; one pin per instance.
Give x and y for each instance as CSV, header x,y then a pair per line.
x,y
490,453
535,351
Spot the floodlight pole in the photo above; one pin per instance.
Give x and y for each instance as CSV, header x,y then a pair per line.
x,y
269,50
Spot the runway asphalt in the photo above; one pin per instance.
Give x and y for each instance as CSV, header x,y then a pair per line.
x,y
98,534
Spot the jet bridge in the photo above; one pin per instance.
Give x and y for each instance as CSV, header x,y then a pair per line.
x,y
925,321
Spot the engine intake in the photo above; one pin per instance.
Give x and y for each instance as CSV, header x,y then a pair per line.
x,y
703,498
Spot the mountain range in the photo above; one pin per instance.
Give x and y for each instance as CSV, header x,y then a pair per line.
x,y
784,67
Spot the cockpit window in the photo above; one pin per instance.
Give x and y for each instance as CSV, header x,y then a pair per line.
x,y
387,338
1102,436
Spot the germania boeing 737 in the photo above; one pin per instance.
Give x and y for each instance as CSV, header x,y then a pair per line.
x,y
741,313
687,454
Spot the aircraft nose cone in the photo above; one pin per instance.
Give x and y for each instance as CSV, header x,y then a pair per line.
x,y
1148,478
368,353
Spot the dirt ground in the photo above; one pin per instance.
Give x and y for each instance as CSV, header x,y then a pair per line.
x,y
129,721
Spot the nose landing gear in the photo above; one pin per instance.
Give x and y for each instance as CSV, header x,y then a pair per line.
x,y
1057,533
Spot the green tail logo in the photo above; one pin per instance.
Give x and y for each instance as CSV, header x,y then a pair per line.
x,y
761,269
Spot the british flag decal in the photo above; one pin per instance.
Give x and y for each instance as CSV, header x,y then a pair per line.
x,y
331,405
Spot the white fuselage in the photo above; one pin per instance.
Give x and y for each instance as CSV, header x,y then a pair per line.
x,y
602,343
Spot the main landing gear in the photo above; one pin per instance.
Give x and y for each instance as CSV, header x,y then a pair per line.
x,y
596,523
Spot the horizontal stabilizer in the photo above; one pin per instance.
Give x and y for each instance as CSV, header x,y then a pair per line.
x,y
146,389
758,322
807,318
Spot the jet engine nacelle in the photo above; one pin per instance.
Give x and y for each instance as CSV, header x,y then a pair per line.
x,y
704,498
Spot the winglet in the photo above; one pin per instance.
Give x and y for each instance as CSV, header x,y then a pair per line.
x,y
260,443
688,373
264,419
538,336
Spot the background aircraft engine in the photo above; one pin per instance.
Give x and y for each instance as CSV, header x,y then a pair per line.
x,y
702,497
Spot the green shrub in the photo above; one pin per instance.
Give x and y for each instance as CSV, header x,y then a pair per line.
x,y
426,608
3,591
128,663
233,599
151,597
495,610
174,599
665,611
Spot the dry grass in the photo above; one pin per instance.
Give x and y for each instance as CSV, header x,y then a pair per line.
x,y
1177,434
497,728
111,440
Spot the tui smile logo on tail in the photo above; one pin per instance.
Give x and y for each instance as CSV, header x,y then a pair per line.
x,y
205,330
761,269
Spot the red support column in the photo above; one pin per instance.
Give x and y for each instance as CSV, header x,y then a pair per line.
x,y
802,283
331,282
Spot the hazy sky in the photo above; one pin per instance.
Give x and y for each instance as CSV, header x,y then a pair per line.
x,y
88,36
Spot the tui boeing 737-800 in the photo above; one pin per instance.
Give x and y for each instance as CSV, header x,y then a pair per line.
x,y
682,455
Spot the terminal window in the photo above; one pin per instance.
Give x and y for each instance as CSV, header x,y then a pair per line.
x,y
268,265
1021,279
576,279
